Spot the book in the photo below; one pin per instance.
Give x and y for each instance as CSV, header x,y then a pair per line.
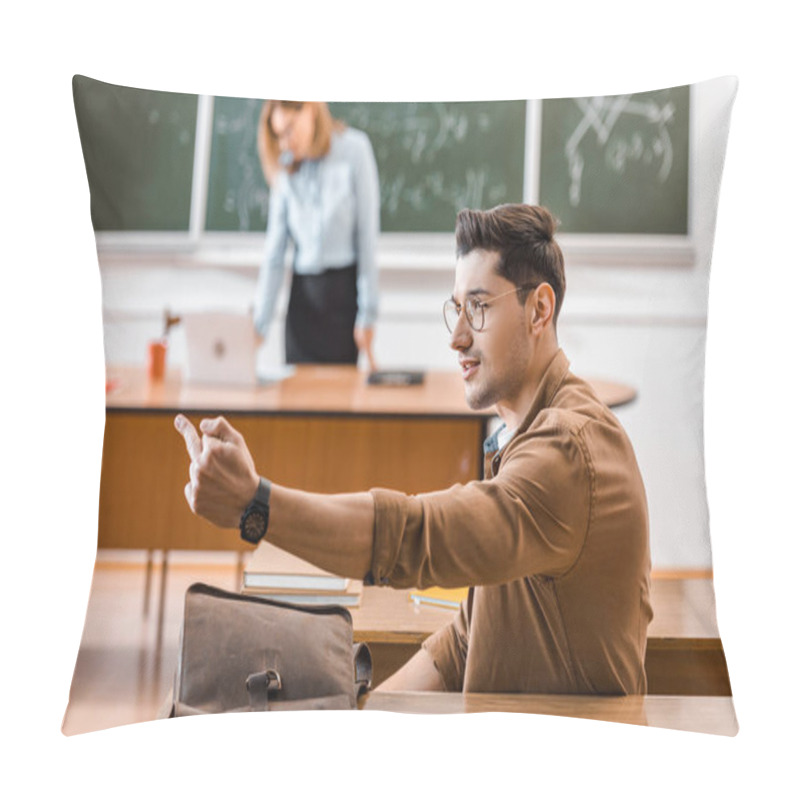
x,y
271,568
436,596
349,597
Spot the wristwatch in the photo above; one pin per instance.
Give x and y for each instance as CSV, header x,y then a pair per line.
x,y
254,521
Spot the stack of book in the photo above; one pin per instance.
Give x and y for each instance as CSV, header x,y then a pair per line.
x,y
278,575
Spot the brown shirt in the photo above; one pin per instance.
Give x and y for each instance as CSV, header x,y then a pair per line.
x,y
554,542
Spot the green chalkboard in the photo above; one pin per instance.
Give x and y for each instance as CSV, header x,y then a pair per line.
x,y
617,164
238,197
433,159
138,147
436,158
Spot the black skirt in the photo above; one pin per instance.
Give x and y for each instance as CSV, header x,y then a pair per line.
x,y
321,318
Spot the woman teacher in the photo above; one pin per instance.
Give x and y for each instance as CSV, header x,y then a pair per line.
x,y
324,196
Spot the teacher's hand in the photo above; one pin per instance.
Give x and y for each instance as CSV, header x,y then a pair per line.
x,y
222,476
363,338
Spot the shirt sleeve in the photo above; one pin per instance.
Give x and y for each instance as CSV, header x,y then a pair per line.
x,y
531,519
367,227
270,276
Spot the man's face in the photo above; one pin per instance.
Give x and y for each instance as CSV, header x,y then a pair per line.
x,y
494,361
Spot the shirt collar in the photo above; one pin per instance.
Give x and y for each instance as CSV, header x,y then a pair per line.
x,y
498,440
548,386
550,383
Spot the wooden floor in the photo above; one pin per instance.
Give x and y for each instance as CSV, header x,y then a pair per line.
x,y
122,673
124,669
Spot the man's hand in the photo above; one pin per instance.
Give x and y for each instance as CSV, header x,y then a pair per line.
x,y
222,476
363,338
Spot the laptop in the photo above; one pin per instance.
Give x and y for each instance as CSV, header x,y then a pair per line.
x,y
222,348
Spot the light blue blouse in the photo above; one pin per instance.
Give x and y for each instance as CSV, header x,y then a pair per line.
x,y
330,209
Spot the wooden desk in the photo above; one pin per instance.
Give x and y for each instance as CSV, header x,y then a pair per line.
x,y
324,429
684,652
699,714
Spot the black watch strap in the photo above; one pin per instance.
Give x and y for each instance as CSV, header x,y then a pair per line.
x,y
263,492
255,519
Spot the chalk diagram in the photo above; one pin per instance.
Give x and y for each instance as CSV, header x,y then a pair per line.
x,y
426,133
649,142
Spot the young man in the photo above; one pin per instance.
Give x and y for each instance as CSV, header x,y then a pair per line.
x,y
554,540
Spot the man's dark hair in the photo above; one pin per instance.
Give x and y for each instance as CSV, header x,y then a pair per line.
x,y
523,236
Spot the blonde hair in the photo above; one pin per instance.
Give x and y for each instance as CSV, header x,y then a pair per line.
x,y
268,149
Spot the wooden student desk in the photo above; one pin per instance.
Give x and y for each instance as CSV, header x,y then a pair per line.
x,y
684,652
698,714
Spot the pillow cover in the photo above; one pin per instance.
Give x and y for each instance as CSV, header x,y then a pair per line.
x,y
179,206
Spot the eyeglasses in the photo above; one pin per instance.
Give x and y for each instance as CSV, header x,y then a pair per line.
x,y
475,309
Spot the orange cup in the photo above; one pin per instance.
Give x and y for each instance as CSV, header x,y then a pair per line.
x,y
156,360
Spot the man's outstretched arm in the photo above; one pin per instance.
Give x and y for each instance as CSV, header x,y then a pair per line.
x,y
334,532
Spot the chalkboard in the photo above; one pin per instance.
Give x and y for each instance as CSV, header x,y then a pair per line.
x,y
433,159
617,164
138,147
238,197
436,158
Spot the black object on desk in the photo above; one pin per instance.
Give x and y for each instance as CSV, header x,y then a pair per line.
x,y
395,378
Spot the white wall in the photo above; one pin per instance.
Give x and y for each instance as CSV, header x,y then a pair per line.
x,y
628,316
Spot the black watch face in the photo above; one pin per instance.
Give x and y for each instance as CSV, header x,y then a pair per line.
x,y
254,526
